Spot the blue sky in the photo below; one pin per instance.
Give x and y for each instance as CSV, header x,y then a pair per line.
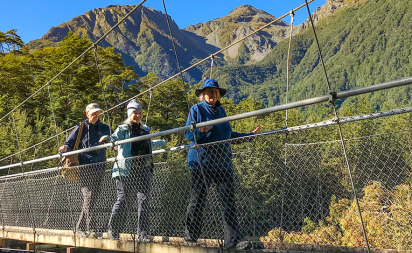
x,y
32,19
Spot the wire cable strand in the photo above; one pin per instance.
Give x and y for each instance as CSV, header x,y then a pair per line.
x,y
103,91
292,15
177,56
54,117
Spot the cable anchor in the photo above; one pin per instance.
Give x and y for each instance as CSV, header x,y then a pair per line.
x,y
332,97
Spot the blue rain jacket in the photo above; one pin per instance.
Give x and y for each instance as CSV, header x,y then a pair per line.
x,y
217,156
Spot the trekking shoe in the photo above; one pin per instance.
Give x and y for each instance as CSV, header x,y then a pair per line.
x,y
189,241
96,235
84,234
244,245
230,245
238,245
113,235
144,239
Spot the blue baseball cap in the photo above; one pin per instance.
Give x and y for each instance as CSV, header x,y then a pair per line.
x,y
210,83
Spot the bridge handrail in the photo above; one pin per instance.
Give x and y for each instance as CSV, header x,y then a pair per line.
x,y
289,129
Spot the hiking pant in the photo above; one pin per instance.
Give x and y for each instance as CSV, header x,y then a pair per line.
x,y
132,197
90,179
225,186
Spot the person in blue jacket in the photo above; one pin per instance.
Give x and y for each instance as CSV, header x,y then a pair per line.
x,y
91,176
132,173
211,163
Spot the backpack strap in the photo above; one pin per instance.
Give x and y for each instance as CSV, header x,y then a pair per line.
x,y
79,135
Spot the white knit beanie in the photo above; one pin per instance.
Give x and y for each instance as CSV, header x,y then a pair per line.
x,y
132,106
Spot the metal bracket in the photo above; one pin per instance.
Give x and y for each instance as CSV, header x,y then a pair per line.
x,y
192,126
113,144
332,97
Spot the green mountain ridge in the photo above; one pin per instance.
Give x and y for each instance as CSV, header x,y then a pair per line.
x,y
363,43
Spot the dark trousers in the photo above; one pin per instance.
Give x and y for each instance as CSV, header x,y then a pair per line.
x,y
90,179
135,186
225,186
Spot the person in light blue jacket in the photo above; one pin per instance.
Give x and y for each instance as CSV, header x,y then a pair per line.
x,y
211,163
132,173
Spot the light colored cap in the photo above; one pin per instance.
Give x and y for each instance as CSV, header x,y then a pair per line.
x,y
93,107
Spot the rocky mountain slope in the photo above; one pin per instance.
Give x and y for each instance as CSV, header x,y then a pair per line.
x,y
245,19
144,40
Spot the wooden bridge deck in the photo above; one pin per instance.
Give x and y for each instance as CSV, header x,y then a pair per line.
x,y
126,244
160,244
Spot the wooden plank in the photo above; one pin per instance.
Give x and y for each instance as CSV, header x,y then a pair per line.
x,y
30,246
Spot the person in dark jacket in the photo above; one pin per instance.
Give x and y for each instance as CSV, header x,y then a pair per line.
x,y
211,163
132,173
91,173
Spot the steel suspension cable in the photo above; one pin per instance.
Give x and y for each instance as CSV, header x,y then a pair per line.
x,y
24,177
344,147
211,66
292,15
54,117
103,91
17,136
75,60
35,145
148,107
177,56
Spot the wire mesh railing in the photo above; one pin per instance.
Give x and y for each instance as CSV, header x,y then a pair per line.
x,y
257,189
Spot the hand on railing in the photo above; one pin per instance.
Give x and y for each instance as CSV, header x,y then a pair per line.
x,y
105,139
257,129
205,129
63,149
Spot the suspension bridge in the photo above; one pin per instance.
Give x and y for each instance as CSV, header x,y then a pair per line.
x,y
322,186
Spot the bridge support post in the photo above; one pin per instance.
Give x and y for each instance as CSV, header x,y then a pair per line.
x,y
71,249
2,242
30,246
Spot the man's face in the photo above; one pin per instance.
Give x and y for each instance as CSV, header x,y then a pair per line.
x,y
93,117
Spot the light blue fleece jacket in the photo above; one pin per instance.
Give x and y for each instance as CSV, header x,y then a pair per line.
x,y
125,150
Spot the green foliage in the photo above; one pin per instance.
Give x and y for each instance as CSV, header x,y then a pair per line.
x,y
387,227
10,42
24,73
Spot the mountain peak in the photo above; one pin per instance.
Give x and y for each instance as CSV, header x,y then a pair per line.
x,y
248,13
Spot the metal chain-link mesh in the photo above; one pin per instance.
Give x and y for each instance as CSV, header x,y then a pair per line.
x,y
259,189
